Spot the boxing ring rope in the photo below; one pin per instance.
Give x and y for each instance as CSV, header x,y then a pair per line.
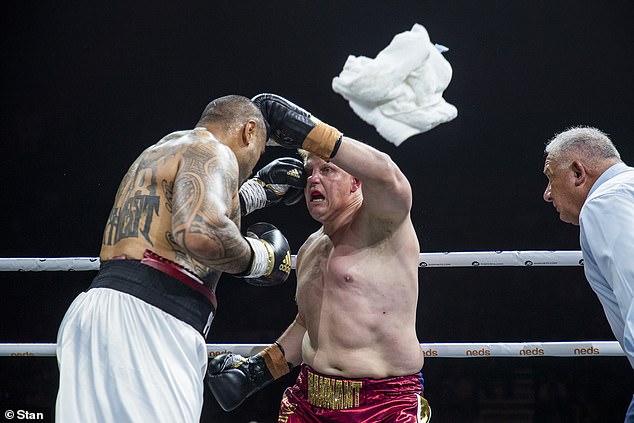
x,y
439,350
435,350
448,259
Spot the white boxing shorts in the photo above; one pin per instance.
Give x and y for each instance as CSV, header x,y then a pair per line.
x,y
122,359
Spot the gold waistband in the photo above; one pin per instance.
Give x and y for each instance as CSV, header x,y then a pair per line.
x,y
331,393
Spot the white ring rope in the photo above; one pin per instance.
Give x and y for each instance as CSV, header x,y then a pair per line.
x,y
434,350
439,350
449,259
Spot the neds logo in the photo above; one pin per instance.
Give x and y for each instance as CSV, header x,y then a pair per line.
x,y
531,352
483,352
586,351
430,353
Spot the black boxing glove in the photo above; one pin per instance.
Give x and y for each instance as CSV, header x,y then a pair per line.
x,y
271,256
232,378
283,180
293,127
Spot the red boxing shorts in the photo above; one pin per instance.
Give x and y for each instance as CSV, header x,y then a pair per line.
x,y
317,398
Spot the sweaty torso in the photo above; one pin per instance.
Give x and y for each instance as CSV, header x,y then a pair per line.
x,y
358,300
141,217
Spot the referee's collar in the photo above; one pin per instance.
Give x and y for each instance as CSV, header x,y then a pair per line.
x,y
610,173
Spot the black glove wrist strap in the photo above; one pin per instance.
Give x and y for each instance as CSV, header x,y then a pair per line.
x,y
290,365
280,347
336,147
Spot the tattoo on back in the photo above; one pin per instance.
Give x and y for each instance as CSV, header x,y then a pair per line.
x,y
136,203
168,189
132,219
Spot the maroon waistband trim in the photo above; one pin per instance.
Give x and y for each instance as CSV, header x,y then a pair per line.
x,y
175,270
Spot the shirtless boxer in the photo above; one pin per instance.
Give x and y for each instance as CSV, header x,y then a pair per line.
x,y
131,348
357,289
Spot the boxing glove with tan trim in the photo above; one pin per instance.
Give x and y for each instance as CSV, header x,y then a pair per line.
x,y
293,127
232,378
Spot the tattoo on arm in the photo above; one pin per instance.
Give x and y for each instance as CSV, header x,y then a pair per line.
x,y
204,205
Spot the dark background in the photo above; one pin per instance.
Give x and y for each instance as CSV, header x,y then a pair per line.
x,y
87,85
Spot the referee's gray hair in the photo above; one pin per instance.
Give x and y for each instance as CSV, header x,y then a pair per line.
x,y
591,142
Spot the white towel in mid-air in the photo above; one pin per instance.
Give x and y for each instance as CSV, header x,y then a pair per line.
x,y
400,91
